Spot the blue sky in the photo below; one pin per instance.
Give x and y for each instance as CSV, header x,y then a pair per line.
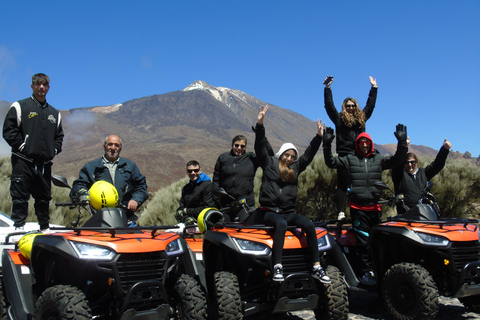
x,y
425,56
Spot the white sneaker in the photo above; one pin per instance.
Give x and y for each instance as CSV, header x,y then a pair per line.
x,y
19,229
320,274
278,273
46,231
341,216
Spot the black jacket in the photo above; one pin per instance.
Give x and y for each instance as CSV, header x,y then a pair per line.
x,y
34,132
236,174
197,196
275,194
364,171
346,136
129,182
411,186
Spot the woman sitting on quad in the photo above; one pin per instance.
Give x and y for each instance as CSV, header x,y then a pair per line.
x,y
278,194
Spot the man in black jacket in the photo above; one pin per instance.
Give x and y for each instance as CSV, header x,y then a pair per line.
x,y
33,128
196,194
365,168
411,180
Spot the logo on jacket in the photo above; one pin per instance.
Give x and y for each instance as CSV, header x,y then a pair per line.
x,y
52,119
32,114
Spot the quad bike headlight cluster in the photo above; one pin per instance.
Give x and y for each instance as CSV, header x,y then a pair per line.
x,y
323,243
92,252
174,248
251,247
433,240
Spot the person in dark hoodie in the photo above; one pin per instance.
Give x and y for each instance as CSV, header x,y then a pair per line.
x,y
409,179
278,194
365,168
349,123
196,194
235,172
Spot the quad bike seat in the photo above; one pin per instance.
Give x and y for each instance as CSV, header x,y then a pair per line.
x,y
421,212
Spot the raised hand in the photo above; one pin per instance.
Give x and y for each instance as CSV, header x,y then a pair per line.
x,y
328,136
320,127
373,81
447,144
401,133
262,111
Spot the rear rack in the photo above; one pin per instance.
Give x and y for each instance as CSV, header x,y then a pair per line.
x,y
113,230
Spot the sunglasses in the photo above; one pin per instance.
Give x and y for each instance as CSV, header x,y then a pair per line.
x,y
366,143
240,146
193,170
349,106
411,162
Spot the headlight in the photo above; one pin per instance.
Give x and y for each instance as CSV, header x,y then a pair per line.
x,y
174,248
433,240
250,247
323,243
92,252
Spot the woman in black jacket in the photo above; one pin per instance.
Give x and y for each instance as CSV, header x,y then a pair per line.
x,y
349,123
278,194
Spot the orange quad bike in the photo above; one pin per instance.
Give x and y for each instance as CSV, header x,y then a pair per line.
x,y
417,256
237,261
102,270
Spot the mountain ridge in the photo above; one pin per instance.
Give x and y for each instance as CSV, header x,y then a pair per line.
x,y
162,132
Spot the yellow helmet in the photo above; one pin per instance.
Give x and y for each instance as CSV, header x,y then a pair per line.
x,y
25,243
103,194
207,218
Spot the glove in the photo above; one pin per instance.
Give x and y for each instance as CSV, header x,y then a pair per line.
x,y
190,221
328,136
180,214
82,192
401,133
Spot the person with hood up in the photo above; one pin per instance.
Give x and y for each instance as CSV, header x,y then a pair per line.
x,y
410,180
349,123
278,194
364,169
196,195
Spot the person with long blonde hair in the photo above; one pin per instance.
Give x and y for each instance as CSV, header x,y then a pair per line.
x,y
349,123
278,194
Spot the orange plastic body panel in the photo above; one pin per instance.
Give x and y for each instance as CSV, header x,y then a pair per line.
x,y
454,232
17,257
293,238
125,243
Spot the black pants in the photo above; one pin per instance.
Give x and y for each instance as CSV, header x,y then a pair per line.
x,y
280,223
343,181
30,179
363,221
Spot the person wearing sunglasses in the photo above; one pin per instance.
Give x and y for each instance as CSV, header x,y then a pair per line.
x,y
278,195
349,123
235,173
364,168
196,194
410,179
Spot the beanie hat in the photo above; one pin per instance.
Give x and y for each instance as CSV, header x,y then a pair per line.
x,y
287,146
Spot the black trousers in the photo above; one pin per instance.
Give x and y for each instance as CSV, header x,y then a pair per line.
x,y
30,179
280,222
363,221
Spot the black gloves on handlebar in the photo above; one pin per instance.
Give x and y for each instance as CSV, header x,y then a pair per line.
x,y
328,136
180,214
401,133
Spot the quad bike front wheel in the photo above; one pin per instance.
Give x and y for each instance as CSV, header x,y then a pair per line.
x,y
62,302
189,299
227,296
409,292
333,303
